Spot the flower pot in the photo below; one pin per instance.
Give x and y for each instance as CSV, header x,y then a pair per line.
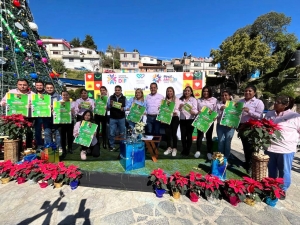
x,y
43,184
74,184
176,194
5,180
21,180
58,184
159,192
194,197
234,200
250,201
271,202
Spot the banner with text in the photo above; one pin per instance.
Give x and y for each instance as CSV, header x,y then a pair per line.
x,y
131,81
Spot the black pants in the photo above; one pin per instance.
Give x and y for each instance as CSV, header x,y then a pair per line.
x,y
29,134
95,149
248,150
186,129
209,142
103,121
171,132
66,133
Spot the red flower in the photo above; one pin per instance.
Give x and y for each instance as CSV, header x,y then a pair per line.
x,y
237,186
252,184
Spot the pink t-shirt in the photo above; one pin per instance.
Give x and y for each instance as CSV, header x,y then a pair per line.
x,y
289,123
193,103
209,103
76,131
152,103
81,111
256,109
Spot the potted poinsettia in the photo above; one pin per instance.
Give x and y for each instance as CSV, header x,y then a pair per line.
x,y
260,133
72,176
195,185
158,179
272,189
7,169
211,187
178,184
235,191
21,172
254,190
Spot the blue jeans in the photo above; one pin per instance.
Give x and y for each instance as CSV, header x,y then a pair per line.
x,y
49,130
114,125
38,131
225,135
280,165
153,126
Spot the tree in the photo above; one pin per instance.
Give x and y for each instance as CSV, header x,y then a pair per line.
x,y
75,42
58,65
23,54
112,61
269,25
241,56
88,42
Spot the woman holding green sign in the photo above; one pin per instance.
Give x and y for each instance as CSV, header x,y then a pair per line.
x,y
224,133
171,130
210,102
188,111
137,99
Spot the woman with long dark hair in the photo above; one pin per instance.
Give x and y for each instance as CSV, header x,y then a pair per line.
x,y
187,101
171,129
84,103
253,109
210,102
224,133
94,147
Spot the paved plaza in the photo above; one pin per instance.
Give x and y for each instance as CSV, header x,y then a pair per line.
x,y
29,204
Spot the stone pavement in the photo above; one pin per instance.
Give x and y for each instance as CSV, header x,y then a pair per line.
x,y
29,204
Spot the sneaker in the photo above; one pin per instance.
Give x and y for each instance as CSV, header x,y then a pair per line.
x,y
209,156
197,154
112,149
168,151
174,152
60,151
83,155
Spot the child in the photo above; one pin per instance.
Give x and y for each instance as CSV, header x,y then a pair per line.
x,y
94,147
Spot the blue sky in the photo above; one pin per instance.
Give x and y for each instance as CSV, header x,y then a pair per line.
x,y
161,28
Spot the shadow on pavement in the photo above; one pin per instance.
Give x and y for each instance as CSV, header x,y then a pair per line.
x,y
60,206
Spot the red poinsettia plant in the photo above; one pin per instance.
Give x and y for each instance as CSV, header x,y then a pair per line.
x,y
195,184
14,126
272,187
72,173
178,183
211,186
158,179
7,169
260,132
235,187
53,172
253,188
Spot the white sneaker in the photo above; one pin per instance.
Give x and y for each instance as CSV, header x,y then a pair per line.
x,y
197,154
174,152
209,156
83,155
168,151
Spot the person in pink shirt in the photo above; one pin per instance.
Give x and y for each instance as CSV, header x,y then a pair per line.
x,y
153,101
282,151
187,118
210,102
171,130
253,109
84,99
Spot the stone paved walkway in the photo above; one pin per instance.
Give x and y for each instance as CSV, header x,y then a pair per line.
x,y
29,204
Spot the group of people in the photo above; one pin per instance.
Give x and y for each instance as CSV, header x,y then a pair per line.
x,y
281,152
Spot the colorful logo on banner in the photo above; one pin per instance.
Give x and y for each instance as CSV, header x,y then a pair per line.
x,y
93,82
